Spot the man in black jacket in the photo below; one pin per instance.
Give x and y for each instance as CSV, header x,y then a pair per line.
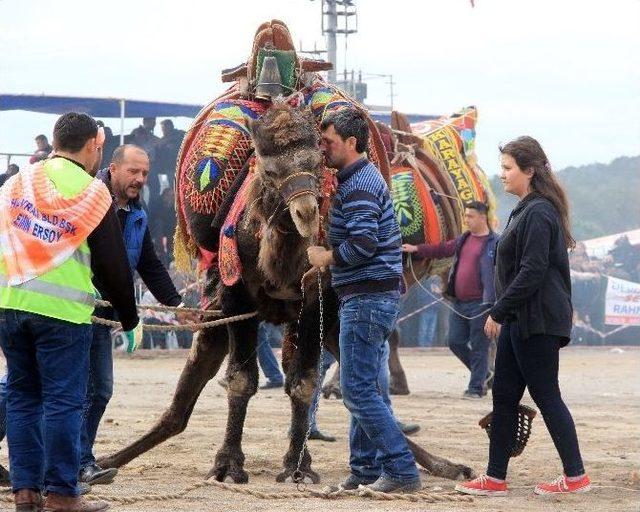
x,y
125,177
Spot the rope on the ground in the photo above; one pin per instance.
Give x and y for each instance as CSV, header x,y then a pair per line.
x,y
326,493
180,327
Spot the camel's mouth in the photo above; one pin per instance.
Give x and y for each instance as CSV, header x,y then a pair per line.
x,y
305,215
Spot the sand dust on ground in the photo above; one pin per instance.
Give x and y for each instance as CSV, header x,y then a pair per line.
x,y
600,385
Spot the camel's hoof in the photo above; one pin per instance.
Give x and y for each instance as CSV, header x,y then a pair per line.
x,y
220,473
108,462
397,389
328,391
307,475
465,473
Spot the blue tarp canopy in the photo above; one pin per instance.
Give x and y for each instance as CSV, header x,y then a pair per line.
x,y
385,117
96,107
112,107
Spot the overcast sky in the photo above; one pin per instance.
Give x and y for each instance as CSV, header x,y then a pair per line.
x,y
563,71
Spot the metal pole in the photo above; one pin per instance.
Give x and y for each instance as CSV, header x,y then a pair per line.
x,y
332,26
122,122
391,90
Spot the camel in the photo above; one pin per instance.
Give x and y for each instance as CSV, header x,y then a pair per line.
x,y
274,198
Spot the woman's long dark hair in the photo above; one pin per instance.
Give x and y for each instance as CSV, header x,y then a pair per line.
x,y
528,154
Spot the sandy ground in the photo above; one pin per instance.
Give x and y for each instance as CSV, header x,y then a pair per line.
x,y
601,387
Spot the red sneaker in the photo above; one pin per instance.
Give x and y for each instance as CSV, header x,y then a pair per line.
x,y
563,486
483,486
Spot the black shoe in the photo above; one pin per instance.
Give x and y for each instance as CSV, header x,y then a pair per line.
x,y
270,384
352,482
409,428
5,478
389,486
83,488
474,395
319,436
95,475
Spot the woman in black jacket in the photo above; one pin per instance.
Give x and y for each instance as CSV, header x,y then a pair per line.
x,y
532,318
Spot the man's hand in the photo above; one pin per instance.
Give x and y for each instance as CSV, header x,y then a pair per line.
x,y
187,316
492,328
319,257
409,248
309,277
134,337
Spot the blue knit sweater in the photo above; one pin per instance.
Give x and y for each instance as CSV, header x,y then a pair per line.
x,y
364,233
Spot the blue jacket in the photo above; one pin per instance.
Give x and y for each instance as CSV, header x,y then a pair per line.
x,y
485,262
135,225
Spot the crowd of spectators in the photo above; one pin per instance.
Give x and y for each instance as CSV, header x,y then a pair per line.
x,y
159,196
589,280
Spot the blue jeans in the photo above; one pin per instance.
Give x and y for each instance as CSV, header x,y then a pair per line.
x,y
469,343
268,333
99,390
3,407
328,360
48,366
378,447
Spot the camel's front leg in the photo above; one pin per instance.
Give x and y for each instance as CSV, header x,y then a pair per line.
x,y
300,357
242,377
207,353
397,378
300,363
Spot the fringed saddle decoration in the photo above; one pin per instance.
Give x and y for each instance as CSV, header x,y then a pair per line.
x,y
228,257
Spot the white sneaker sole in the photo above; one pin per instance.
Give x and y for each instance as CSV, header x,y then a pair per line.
x,y
479,492
541,492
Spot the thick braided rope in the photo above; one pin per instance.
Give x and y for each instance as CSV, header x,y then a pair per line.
x,y
174,309
327,493
180,327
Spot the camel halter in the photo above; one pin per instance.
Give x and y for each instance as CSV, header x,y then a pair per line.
x,y
293,186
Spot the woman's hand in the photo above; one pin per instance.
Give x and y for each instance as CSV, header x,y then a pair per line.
x,y
409,248
492,328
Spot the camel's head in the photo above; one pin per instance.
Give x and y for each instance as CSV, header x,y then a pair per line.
x,y
288,166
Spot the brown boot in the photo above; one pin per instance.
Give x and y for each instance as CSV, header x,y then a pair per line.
x,y
28,500
58,503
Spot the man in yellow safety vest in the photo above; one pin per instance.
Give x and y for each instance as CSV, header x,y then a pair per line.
x,y
58,227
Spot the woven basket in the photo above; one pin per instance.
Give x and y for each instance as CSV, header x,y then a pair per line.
x,y
525,419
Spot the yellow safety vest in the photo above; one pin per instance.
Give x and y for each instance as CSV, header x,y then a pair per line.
x,y
65,292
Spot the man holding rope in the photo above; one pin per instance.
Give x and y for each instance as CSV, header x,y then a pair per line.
x,y
57,228
125,177
471,285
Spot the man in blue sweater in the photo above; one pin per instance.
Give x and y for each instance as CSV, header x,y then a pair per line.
x,y
366,266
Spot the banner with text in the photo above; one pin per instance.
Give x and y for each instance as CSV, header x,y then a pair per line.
x,y
622,302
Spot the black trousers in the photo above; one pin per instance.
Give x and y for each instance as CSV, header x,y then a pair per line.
x,y
530,363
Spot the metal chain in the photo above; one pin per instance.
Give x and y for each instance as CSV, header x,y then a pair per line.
x,y
298,476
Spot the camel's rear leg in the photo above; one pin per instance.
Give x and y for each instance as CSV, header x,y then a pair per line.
x,y
332,387
207,353
242,376
398,379
439,466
